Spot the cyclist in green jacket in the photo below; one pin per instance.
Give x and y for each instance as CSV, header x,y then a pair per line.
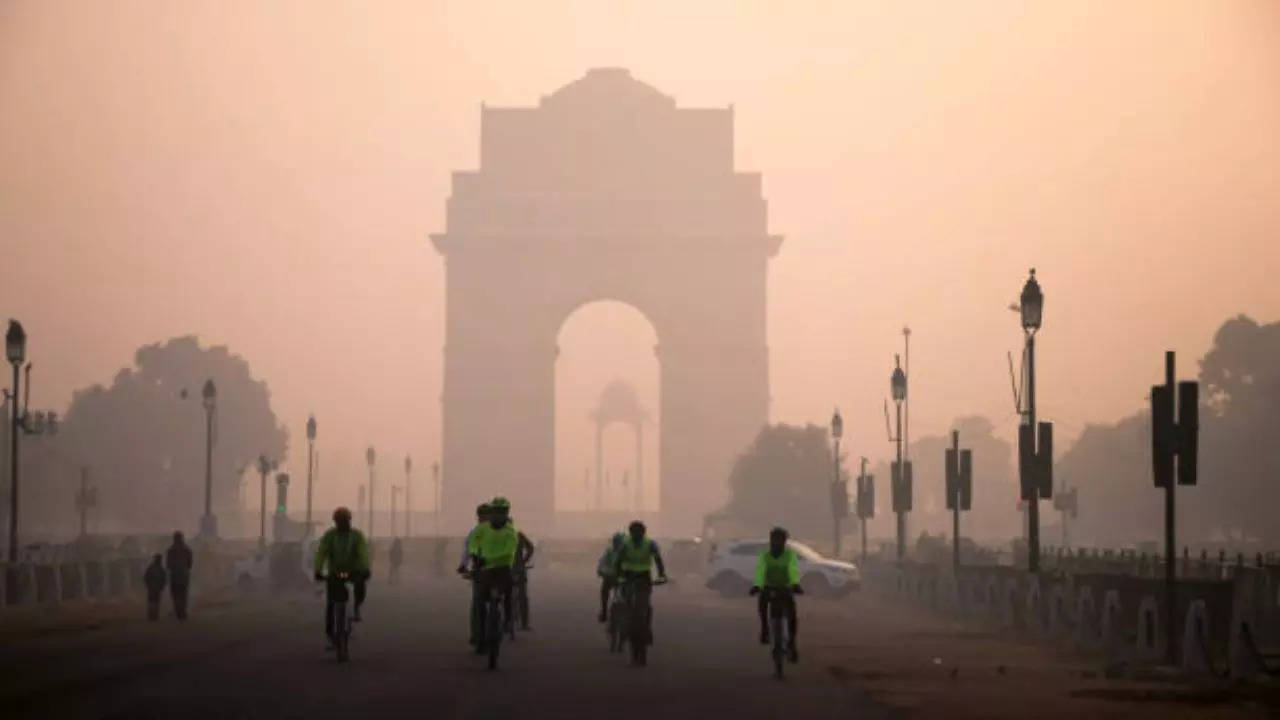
x,y
493,552
343,550
608,572
635,562
778,569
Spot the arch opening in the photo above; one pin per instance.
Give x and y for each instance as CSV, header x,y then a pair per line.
x,y
607,415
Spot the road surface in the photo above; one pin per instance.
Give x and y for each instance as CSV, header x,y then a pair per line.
x,y
262,657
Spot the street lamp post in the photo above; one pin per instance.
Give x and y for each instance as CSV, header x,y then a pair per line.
x,y
395,490
1035,440
435,481
901,472
265,466
208,523
371,458
311,455
15,349
408,508
839,494
21,421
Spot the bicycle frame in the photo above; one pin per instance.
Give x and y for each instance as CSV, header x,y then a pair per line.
x,y
776,607
341,623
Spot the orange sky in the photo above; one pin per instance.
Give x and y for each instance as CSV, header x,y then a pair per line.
x,y
265,174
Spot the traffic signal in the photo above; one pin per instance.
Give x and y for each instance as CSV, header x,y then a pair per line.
x,y
901,481
1035,464
1172,436
282,493
1188,431
1163,440
959,478
866,496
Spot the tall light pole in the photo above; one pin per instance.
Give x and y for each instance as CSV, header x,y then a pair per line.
x,y
1035,470
1175,432
408,508
901,472
15,350
311,455
21,422
265,466
395,490
208,523
866,503
371,458
839,493
435,480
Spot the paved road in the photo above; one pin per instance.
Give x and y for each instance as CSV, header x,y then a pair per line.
x,y
264,659
861,657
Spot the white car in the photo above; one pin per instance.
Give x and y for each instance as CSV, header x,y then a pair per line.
x,y
733,569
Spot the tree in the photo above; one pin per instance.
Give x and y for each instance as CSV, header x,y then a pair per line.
x,y
143,439
1239,463
783,478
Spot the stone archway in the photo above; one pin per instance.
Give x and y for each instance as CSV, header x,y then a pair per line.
x,y
619,404
605,190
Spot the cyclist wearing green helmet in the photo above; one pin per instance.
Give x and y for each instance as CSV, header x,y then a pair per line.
x,y
493,552
608,572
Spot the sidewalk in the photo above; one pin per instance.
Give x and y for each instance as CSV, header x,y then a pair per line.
x,y
930,666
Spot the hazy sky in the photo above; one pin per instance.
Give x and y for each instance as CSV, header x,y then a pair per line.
x,y
265,174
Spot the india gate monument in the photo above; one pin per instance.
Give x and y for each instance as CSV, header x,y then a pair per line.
x,y
604,191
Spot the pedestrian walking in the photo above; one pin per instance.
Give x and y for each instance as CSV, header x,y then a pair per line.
x,y
154,578
178,561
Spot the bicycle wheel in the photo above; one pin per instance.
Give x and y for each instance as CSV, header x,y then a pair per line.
x,y
639,632
340,630
493,631
618,619
779,642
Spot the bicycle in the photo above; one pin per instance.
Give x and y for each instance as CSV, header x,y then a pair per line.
x,y
619,616
776,601
641,635
341,623
493,624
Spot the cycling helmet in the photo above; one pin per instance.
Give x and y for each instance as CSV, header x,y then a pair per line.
x,y
341,514
500,505
482,509
779,532
635,526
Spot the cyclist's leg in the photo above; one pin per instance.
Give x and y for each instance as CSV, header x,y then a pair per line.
x,y
644,598
477,607
502,578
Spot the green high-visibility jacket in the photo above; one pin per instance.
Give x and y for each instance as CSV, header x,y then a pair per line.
x,y
637,558
342,552
782,571
496,546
